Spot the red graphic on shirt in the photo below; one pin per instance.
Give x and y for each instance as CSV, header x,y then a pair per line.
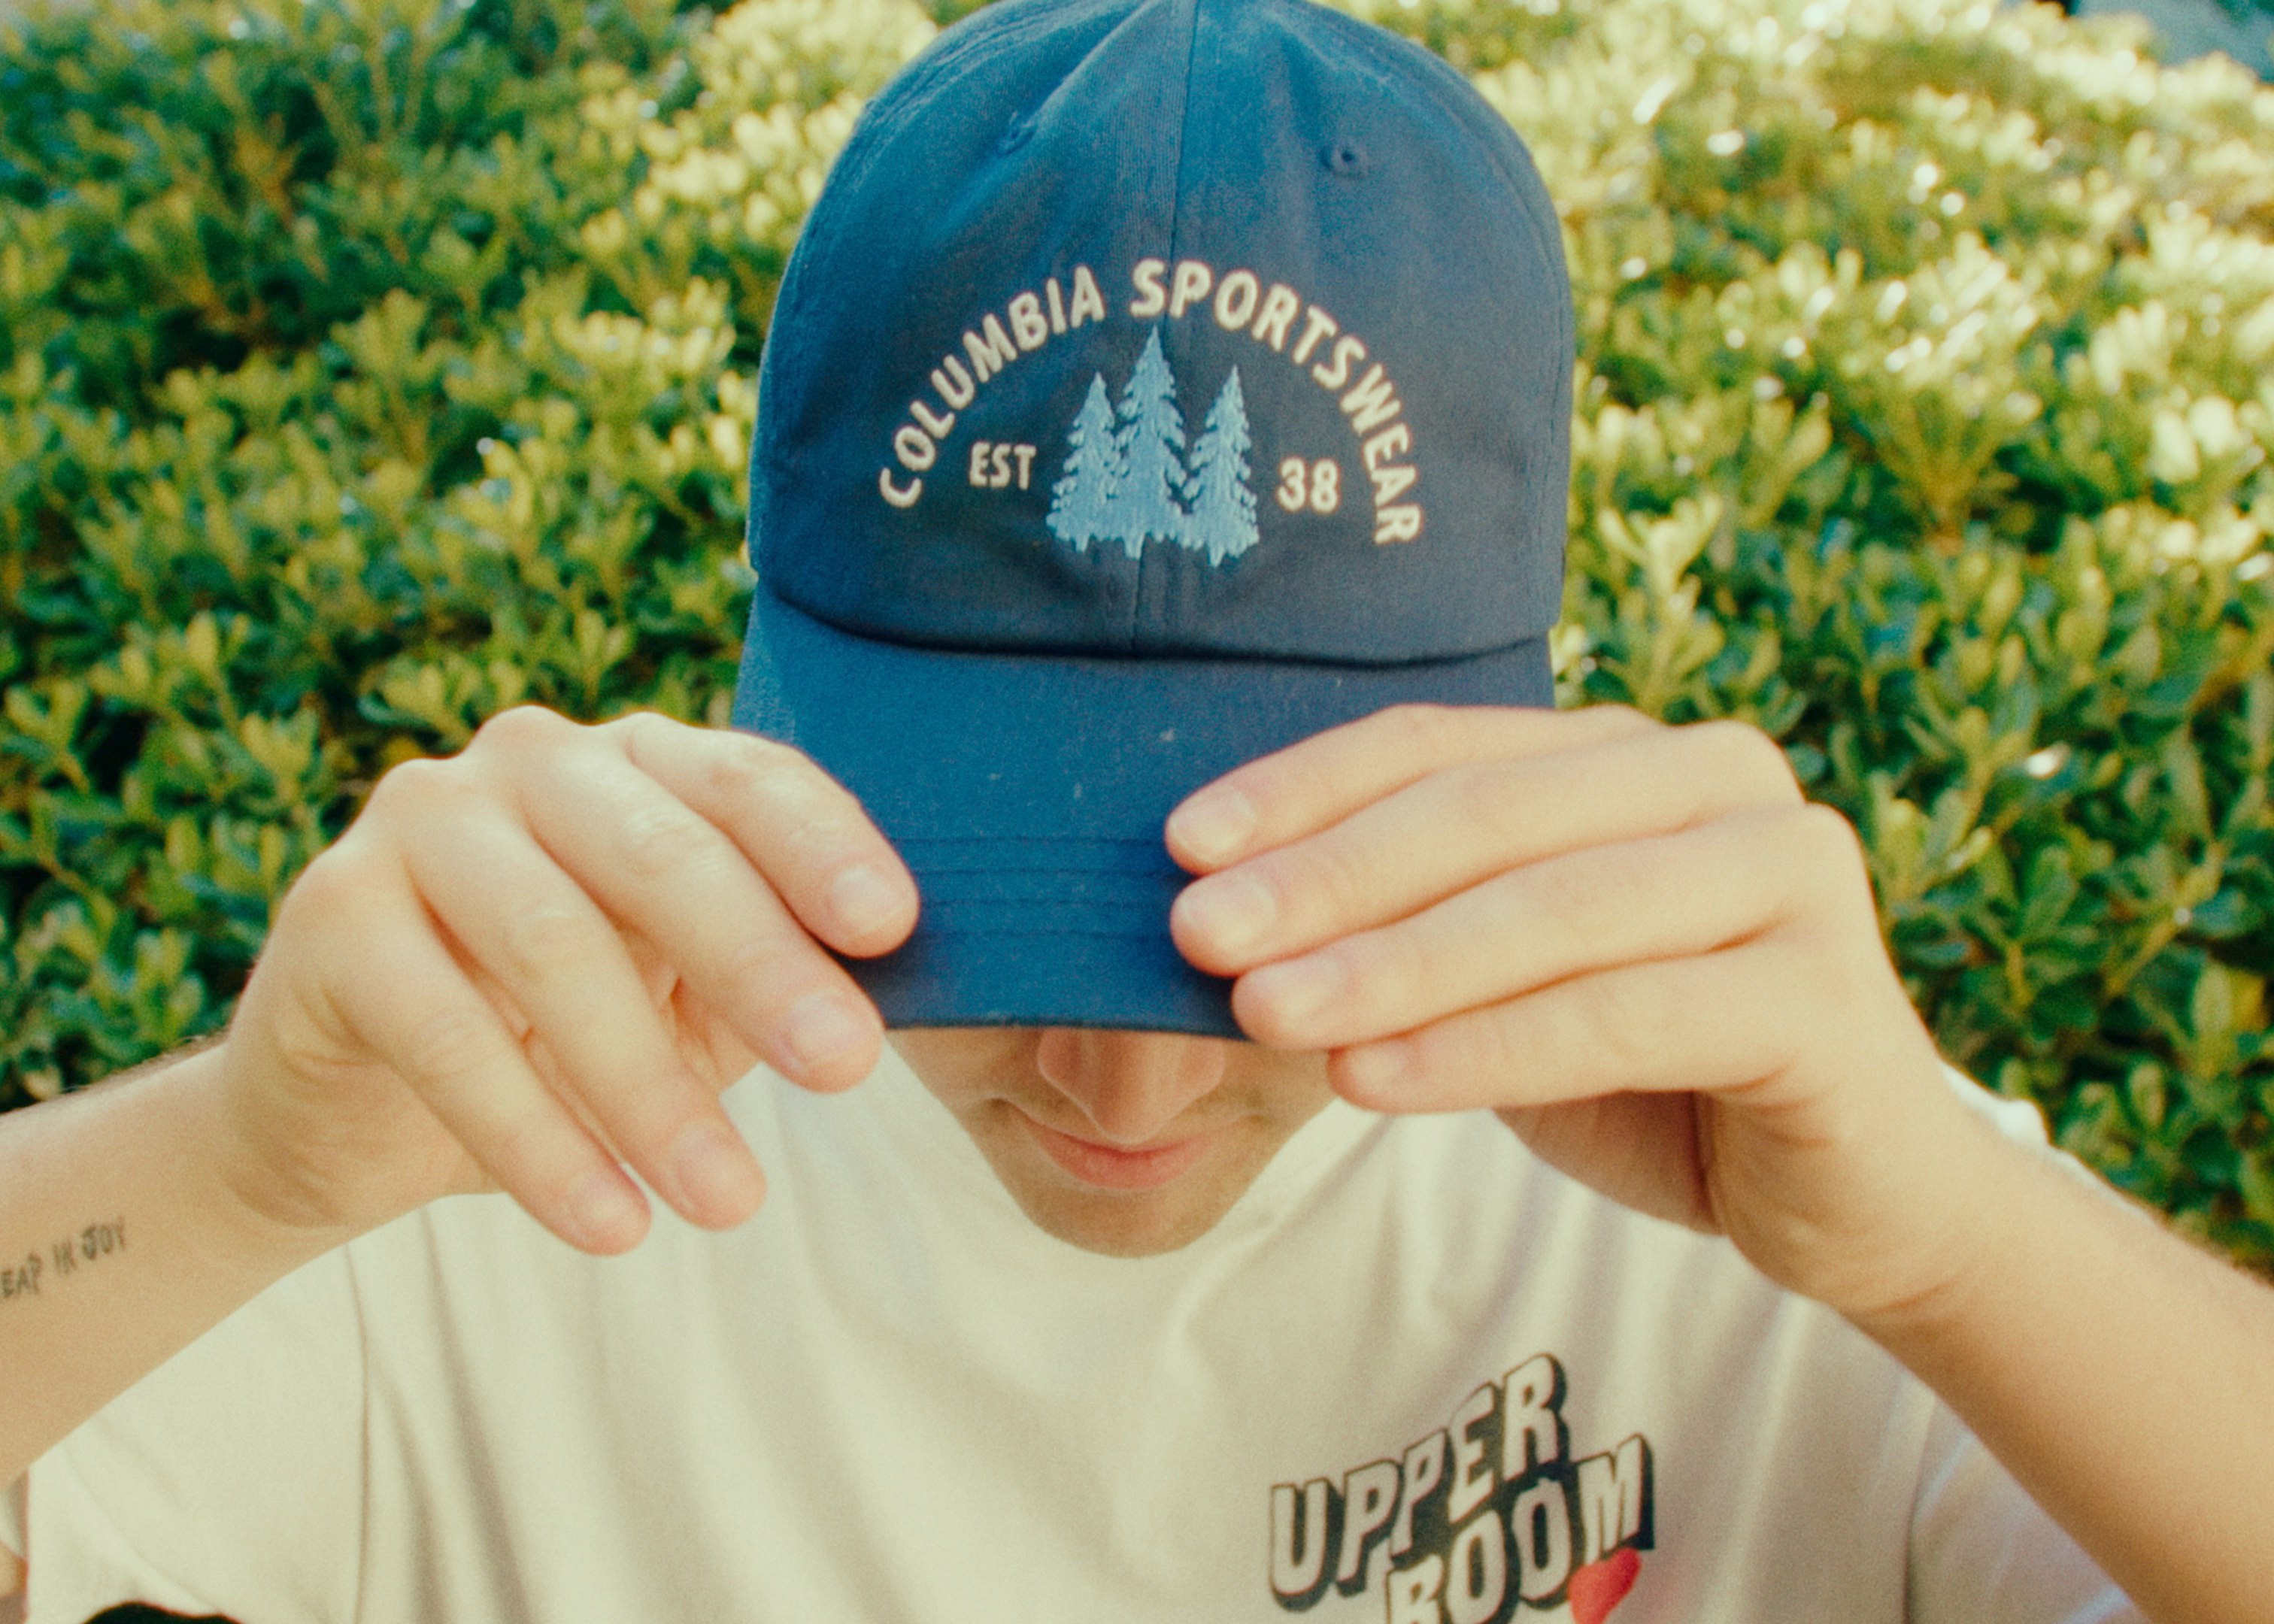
x,y
1488,1517
1600,1586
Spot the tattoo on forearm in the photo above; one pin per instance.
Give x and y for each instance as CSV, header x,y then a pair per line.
x,y
38,1271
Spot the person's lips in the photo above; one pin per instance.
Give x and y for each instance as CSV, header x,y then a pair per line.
x,y
1107,1167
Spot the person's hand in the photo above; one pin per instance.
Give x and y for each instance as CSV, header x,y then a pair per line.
x,y
541,960
1638,942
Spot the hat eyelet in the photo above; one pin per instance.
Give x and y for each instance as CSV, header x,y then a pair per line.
x,y
1346,157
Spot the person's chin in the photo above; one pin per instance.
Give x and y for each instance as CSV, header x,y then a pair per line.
x,y
1119,1202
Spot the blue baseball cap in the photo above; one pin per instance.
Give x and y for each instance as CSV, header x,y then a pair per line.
x,y
1155,383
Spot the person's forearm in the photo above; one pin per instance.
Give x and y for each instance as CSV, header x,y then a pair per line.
x,y
120,1243
2126,1378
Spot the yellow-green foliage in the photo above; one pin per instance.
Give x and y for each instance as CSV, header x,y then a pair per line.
x,y
366,365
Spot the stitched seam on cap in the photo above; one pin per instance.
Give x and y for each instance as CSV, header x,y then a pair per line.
x,y
1028,839
903,101
1502,148
992,934
1452,95
1176,219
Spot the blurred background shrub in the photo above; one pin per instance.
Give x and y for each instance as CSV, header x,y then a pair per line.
x,y
369,365
2244,29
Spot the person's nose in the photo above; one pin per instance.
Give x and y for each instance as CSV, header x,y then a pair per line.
x,y
1130,1085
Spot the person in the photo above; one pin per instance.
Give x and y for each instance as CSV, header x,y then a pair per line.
x,y
1190,805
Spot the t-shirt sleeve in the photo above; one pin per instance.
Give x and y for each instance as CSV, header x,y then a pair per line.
x,y
2017,1119
227,1481
1981,1548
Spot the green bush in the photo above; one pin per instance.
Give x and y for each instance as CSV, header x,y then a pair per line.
x,y
366,365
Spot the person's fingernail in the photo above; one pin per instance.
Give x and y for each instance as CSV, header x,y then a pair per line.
x,y
820,1027
606,1213
1299,990
1229,912
863,901
718,1181
1376,1068
1214,824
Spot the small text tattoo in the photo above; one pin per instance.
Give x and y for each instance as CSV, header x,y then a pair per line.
x,y
35,1270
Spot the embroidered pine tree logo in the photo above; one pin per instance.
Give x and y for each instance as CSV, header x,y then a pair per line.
x,y
1081,501
1151,452
1128,476
1222,514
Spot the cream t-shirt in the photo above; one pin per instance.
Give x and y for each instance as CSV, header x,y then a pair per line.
x,y
1415,1375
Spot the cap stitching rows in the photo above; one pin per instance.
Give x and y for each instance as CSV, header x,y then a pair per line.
x,y
880,123
1502,147
1176,221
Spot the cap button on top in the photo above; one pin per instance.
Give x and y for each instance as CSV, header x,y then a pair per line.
x,y
1017,134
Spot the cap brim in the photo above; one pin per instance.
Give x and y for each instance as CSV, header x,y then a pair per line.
x,y
1026,793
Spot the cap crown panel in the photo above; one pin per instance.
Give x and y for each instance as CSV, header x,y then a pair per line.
x,y
1176,329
